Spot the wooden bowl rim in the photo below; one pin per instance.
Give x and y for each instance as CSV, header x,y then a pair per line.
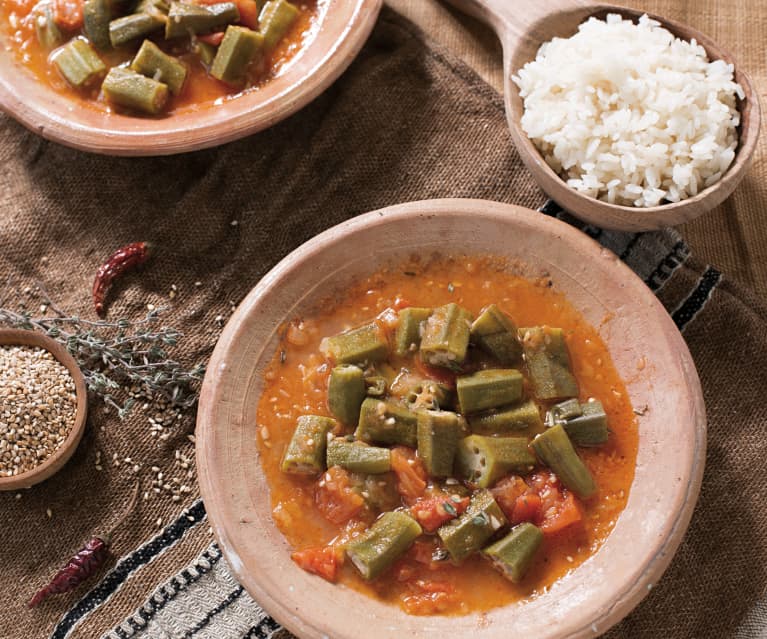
x,y
229,520
195,128
614,216
21,337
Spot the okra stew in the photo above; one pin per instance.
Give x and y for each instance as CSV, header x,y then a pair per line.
x,y
155,57
445,435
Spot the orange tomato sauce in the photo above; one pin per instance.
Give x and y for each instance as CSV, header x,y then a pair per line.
x,y
200,89
296,384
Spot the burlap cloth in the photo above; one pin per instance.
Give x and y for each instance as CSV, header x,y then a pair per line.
x,y
407,121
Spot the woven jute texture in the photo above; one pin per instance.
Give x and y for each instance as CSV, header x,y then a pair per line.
x,y
407,121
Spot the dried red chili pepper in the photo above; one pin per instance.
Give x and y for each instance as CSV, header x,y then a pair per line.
x,y
84,564
119,262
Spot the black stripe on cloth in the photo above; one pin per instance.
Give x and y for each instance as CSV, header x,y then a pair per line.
x,y
552,209
230,599
673,260
696,300
263,629
168,592
172,533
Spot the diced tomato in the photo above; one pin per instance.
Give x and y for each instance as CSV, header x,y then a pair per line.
x,y
422,551
324,561
526,508
411,475
400,303
507,491
68,14
335,498
432,512
213,39
438,374
430,596
561,514
248,11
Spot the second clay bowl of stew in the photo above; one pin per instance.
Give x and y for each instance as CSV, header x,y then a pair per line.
x,y
321,42
271,367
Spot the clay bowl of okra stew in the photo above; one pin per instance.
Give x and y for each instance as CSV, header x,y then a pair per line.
x,y
43,407
158,77
450,432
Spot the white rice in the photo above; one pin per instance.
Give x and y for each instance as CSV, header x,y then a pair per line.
x,y
629,114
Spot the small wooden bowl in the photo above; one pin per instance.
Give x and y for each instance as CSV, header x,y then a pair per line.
x,y
523,32
13,337
345,25
647,351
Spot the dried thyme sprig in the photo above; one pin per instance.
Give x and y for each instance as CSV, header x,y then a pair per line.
x,y
119,357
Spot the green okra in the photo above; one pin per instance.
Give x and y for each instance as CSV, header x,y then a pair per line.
x,y
131,90
154,63
157,7
375,550
513,554
484,460
548,363
496,334
489,388
365,344
590,427
508,419
429,394
438,434
407,337
97,14
563,411
554,449
187,19
358,457
79,63
275,20
133,26
47,31
346,391
305,453
376,386
467,534
205,51
445,338
386,422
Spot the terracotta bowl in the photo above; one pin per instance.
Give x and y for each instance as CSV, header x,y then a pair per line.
x,y
12,337
345,25
670,461
523,32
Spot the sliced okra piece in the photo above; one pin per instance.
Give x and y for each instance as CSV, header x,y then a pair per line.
x,y
484,460
555,449
438,434
154,63
79,63
275,20
430,395
157,7
186,19
205,51
132,90
359,345
358,457
513,554
506,420
590,428
130,27
496,334
467,534
488,389
346,391
376,386
97,14
407,337
548,363
48,33
385,422
445,337
305,453
375,550
565,410
238,50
